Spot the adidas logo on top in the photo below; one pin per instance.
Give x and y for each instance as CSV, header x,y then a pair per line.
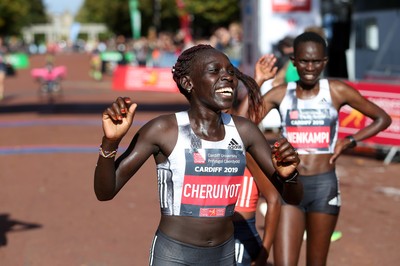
x,y
234,145
323,101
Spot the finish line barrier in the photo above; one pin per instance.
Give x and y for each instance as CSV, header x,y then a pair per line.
x,y
133,78
386,96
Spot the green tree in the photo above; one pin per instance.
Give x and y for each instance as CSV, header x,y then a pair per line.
x,y
210,13
37,12
206,14
93,11
16,14
114,14
12,16
213,11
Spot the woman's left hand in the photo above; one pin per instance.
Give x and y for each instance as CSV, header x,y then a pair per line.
x,y
284,157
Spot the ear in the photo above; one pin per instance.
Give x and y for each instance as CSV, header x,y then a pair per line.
x,y
186,83
326,59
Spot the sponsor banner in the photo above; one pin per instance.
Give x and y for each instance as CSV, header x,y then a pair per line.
x,y
143,79
115,56
386,96
291,5
18,60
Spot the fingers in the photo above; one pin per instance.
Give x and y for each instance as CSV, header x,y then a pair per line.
x,y
120,109
334,156
263,59
131,111
284,153
267,59
332,159
270,59
266,64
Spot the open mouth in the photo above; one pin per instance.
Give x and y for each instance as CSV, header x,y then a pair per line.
x,y
227,91
309,76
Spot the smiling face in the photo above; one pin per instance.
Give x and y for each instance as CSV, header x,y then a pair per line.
x,y
213,80
309,60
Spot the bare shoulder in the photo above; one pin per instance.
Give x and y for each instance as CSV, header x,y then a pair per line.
x,y
164,121
338,85
278,90
276,94
342,92
161,127
240,120
245,127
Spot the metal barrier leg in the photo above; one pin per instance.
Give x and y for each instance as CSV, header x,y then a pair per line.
x,y
390,155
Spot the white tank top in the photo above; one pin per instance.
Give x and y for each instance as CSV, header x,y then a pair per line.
x,y
310,125
202,178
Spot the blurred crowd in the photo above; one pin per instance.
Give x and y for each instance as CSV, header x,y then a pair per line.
x,y
162,49
156,49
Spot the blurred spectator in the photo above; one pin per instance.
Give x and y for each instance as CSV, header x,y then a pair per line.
x,y
229,41
121,48
95,65
141,51
236,44
3,68
286,71
220,39
166,54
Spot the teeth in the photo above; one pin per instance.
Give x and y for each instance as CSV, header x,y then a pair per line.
x,y
225,90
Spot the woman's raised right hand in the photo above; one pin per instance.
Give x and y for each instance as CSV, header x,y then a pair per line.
x,y
118,118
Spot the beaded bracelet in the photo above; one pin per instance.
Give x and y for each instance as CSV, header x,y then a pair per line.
x,y
107,154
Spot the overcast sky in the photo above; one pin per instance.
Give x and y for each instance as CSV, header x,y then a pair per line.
x,y
59,6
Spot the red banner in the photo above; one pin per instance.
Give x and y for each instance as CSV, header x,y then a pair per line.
x,y
291,5
143,79
387,97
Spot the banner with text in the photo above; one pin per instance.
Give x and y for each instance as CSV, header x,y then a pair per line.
x,y
291,5
387,97
143,79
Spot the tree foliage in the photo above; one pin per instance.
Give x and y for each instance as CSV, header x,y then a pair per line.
x,y
216,12
115,14
209,14
16,14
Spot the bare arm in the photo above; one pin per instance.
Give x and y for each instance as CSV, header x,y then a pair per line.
x,y
343,94
272,198
278,164
280,75
110,175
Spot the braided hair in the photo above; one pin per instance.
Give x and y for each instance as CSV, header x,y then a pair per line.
x,y
182,68
183,65
255,102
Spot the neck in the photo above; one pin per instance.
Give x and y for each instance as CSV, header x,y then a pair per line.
x,y
207,125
